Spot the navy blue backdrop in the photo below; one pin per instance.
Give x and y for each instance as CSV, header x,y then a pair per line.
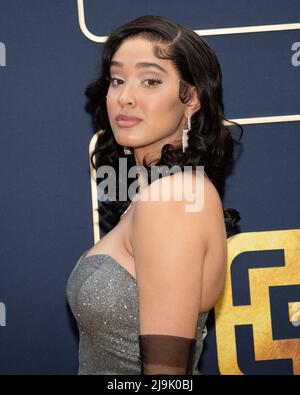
x,y
46,210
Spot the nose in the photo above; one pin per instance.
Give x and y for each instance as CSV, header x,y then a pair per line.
x,y
127,95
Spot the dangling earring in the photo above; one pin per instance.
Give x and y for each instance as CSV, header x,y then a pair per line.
x,y
185,137
127,151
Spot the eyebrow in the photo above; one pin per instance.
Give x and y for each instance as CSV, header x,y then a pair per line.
x,y
140,65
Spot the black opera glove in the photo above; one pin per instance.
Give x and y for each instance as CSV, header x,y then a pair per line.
x,y
166,354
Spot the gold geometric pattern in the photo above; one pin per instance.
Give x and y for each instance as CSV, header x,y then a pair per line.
x,y
258,313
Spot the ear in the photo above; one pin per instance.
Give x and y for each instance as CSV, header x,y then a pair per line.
x,y
194,103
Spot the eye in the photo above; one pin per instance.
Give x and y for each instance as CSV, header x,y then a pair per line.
x,y
114,81
152,82
148,83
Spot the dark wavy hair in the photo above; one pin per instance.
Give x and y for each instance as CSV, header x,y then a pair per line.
x,y
210,142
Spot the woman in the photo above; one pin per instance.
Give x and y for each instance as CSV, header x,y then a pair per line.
x,y
141,295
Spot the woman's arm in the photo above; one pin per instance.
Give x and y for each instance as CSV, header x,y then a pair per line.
x,y
169,246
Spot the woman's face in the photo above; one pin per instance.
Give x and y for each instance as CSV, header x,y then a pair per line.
x,y
145,87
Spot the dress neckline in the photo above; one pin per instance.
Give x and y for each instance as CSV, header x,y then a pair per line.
x,y
122,268
106,257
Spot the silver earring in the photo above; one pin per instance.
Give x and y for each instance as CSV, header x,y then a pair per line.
x,y
185,136
127,151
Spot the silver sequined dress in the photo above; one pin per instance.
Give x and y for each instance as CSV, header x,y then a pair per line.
x,y
103,297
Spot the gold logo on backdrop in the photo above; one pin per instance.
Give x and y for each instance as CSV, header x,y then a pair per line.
x,y
267,284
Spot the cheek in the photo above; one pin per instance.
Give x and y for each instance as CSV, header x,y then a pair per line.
x,y
164,104
112,107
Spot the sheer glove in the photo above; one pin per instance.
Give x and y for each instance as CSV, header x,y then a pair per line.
x,y
166,354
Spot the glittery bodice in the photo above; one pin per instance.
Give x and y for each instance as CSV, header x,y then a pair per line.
x,y
103,297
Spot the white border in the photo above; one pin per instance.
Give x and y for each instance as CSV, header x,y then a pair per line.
x,y
278,118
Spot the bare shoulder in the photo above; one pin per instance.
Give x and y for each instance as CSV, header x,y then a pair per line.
x,y
182,200
183,188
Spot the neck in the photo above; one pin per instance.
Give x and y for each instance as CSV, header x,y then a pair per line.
x,y
153,151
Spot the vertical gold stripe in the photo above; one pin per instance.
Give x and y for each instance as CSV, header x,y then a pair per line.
x,y
95,216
